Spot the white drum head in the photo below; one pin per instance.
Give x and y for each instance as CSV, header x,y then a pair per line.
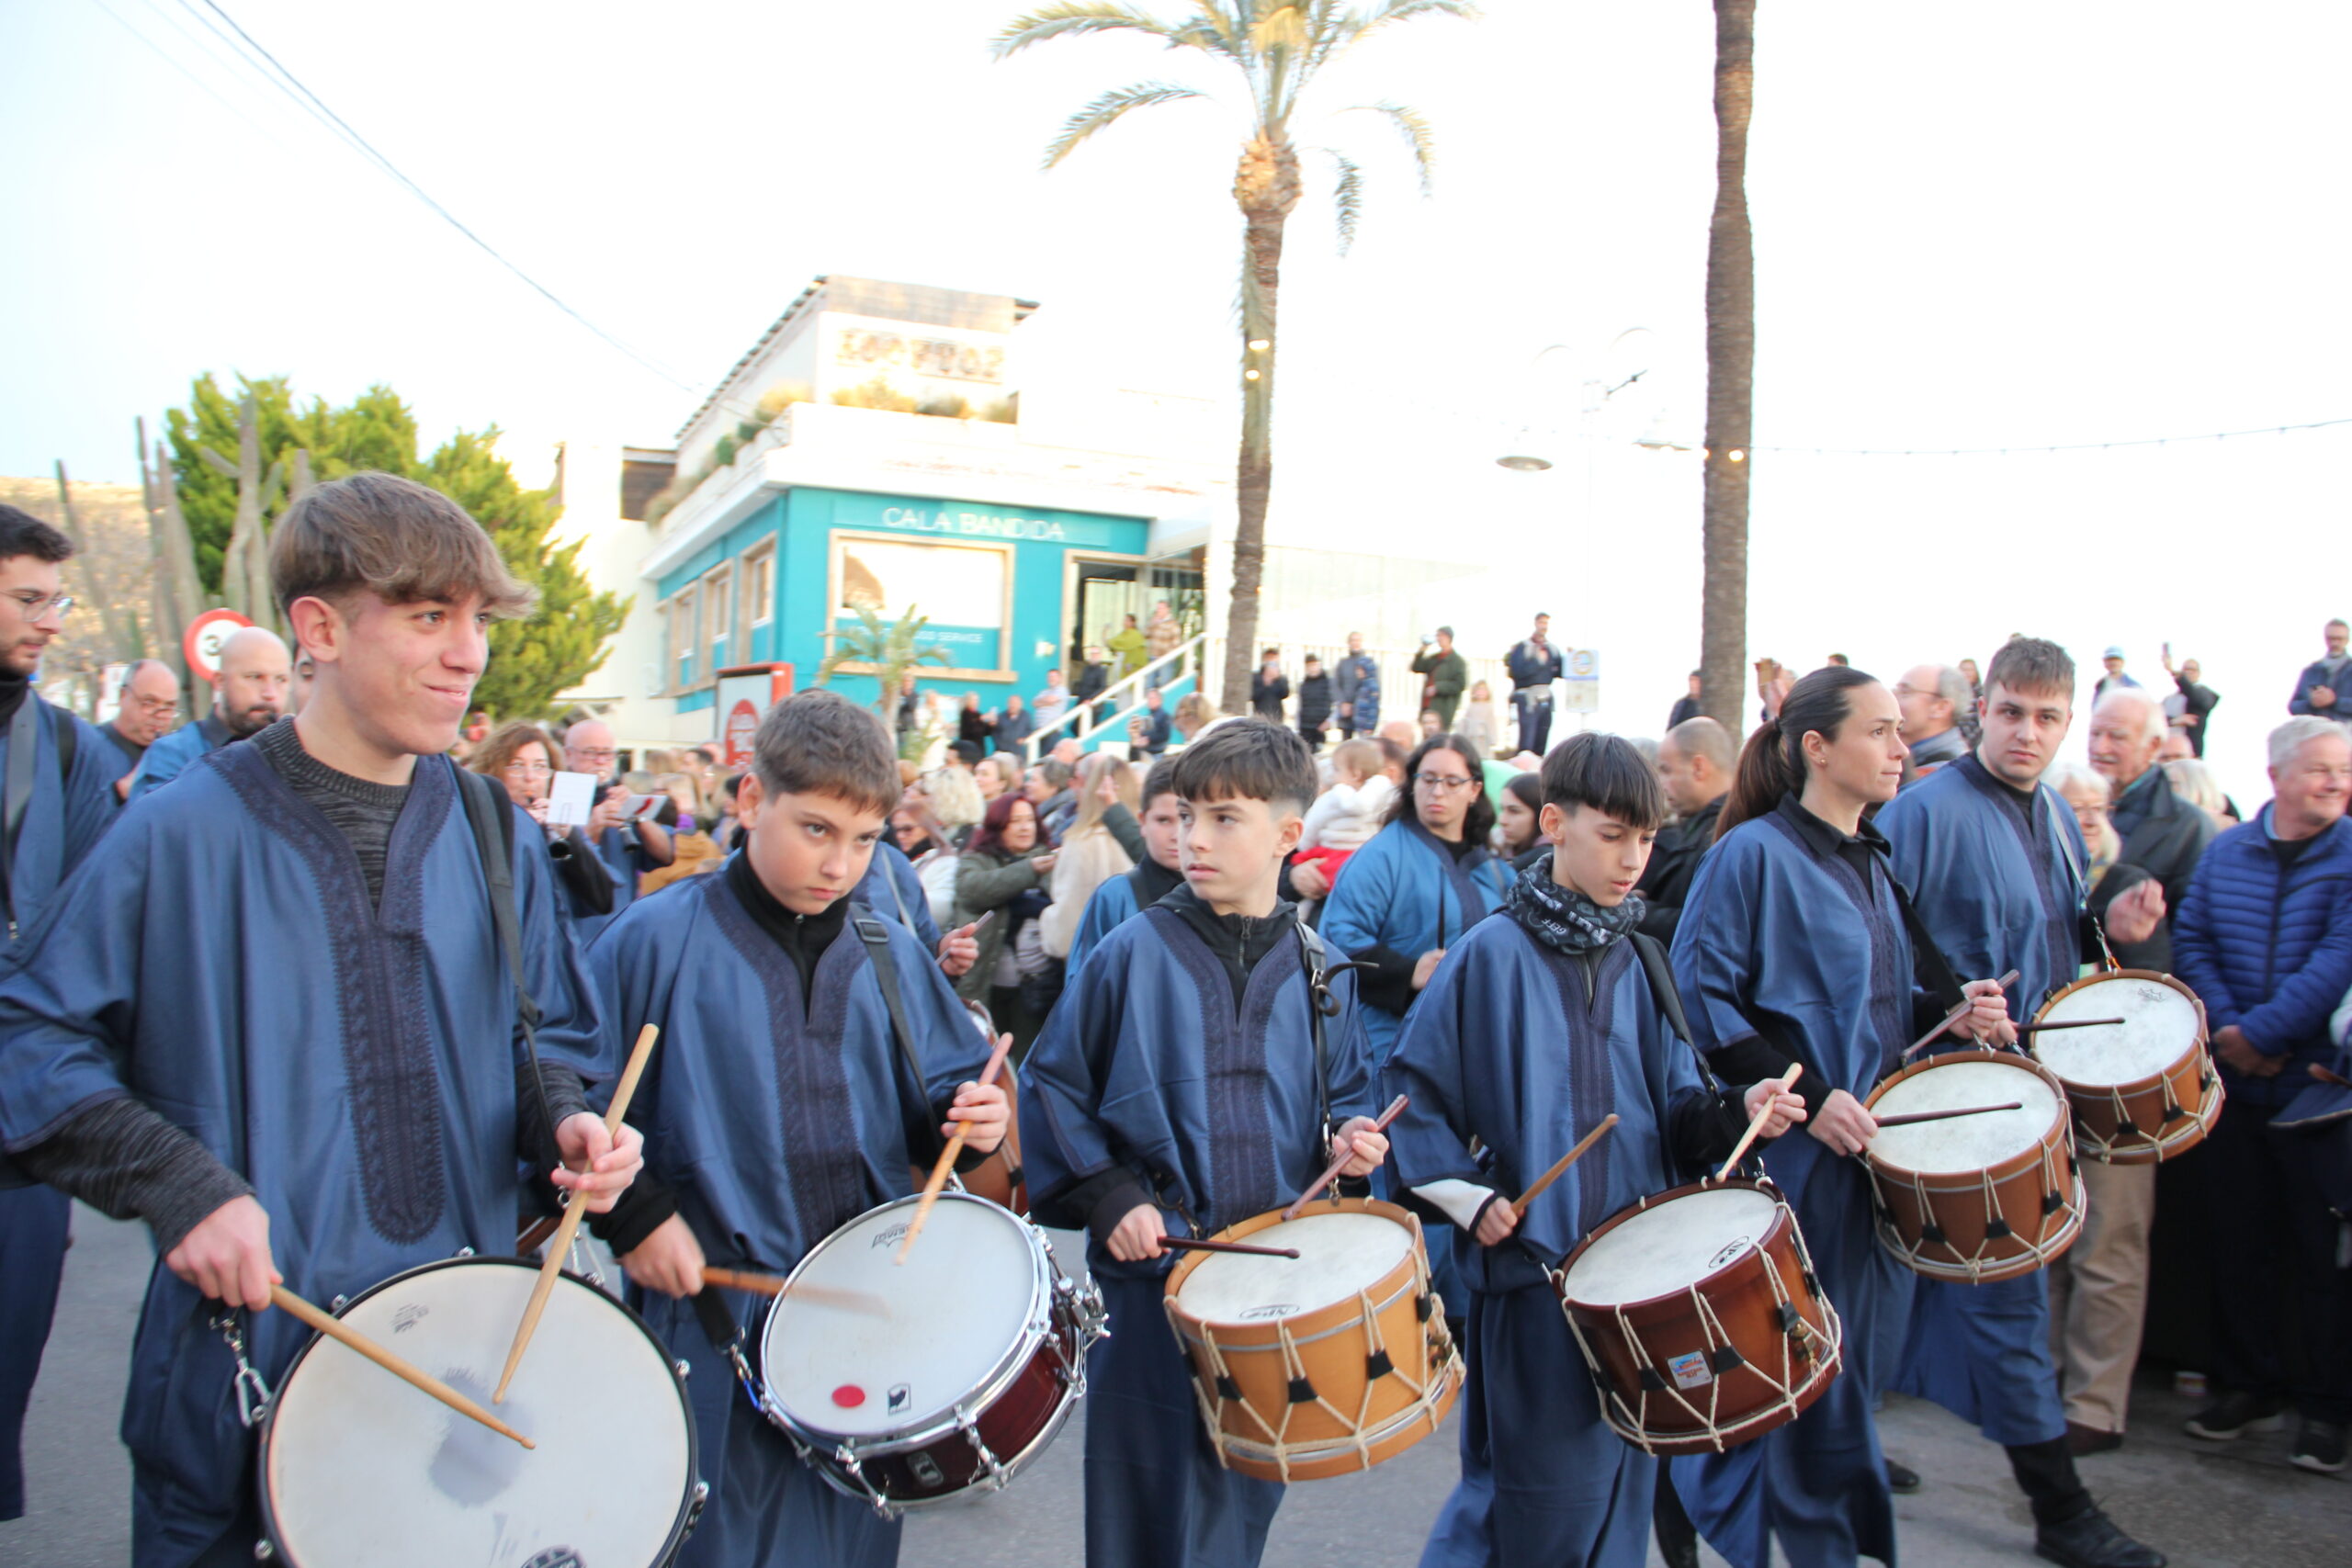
x,y
1964,1143
2159,1026
961,1305
1672,1245
1338,1255
365,1471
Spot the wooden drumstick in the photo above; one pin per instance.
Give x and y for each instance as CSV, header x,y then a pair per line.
x,y
2326,1074
1908,1117
1780,1086
1560,1165
1331,1171
2031,1027
573,1211
344,1334
1203,1244
946,1161
777,1285
1962,1010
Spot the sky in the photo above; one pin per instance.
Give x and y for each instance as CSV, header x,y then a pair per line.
x,y
2095,222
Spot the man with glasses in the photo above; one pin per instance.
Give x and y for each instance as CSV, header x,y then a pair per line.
x,y
1934,698
249,694
57,769
626,847
150,700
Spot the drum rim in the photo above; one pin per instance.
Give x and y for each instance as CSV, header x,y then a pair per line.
x,y
1704,1184
1172,1288
2065,1121
1037,1328
2202,1045
689,1506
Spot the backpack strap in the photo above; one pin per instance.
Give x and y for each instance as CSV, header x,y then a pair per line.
x,y
69,741
1652,953
877,938
492,817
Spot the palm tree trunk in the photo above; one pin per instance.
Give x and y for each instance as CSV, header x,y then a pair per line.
x,y
1731,375
1267,188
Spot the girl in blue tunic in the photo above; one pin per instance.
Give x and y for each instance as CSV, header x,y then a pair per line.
x,y
1537,1024
1792,948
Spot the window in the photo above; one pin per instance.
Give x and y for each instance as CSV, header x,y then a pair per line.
x,y
718,599
686,629
759,587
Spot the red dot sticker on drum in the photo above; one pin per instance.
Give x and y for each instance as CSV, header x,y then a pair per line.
x,y
849,1397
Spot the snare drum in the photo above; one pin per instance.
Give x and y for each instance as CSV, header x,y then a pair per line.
x,y
1976,1198
2144,1090
967,1375
1322,1364
1700,1317
359,1471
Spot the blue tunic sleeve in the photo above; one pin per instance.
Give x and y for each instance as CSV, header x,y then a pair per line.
x,y
168,758
1111,903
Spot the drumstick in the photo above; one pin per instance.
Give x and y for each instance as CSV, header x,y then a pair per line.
x,y
1962,1010
1560,1165
1331,1171
1202,1244
1780,1086
344,1334
2326,1074
946,1161
1908,1117
2032,1028
561,1246
777,1285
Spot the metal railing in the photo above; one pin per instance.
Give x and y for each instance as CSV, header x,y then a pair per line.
x,y
1121,700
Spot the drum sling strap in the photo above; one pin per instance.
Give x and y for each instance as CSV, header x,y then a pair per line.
x,y
24,748
492,819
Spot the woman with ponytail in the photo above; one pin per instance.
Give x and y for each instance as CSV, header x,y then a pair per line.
x,y
1792,948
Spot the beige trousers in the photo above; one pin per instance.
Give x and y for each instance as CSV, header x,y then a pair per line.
x,y
2098,1294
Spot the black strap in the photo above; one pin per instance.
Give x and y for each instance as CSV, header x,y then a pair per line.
x,y
69,741
1941,977
1661,975
1314,955
24,746
493,817
877,938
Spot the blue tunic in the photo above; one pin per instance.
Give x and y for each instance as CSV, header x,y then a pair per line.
x,y
775,1121
1112,904
1783,936
170,756
893,889
355,1064
1146,1069
1507,1045
1998,887
65,815
1406,892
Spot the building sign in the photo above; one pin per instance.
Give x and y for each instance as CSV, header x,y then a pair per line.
x,y
1581,692
943,358
963,590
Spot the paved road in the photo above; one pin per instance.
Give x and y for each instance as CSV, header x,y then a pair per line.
x,y
2208,1507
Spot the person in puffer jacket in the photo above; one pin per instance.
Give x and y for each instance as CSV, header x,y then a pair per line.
x,y
2264,938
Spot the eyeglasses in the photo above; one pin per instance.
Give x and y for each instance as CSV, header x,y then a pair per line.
x,y
600,754
155,704
1443,781
529,770
41,606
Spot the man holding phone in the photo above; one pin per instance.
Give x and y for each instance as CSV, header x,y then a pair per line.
x,y
628,842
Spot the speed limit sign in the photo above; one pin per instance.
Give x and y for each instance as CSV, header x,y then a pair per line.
x,y
205,635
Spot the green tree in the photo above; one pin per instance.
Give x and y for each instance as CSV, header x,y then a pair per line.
x,y
887,647
531,661
1279,47
1731,379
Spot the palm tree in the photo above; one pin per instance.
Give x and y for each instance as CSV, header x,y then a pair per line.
x,y
1730,377
1279,47
889,647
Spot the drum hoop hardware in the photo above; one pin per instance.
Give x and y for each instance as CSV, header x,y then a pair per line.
x,y
252,1393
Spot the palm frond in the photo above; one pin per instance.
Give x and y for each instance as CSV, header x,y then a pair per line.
x,y
1414,126
1347,198
1105,110
1405,10
1283,27
1073,18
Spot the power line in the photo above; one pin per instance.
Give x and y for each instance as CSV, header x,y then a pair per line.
x,y
2030,451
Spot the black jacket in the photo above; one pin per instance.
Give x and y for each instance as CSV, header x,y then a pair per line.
x,y
1314,702
1674,860
2163,835
1266,697
1533,664
2202,701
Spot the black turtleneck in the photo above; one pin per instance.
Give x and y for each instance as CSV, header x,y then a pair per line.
x,y
1152,882
12,695
804,938
1239,942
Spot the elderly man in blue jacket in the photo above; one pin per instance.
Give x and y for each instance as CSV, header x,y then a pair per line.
x,y
2265,937
2325,688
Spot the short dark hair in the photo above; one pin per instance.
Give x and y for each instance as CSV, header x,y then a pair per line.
x,y
708,756
1605,772
1247,759
401,541
819,742
2031,665
1161,781
22,533
1315,659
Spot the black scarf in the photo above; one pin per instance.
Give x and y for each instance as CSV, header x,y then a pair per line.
x,y
1564,920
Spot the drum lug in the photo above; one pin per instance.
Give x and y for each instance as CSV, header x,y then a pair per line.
x,y
253,1395
684,1368
463,1252
980,1449
264,1551
338,1303
846,1457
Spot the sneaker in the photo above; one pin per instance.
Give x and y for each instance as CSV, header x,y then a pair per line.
x,y
2091,1540
1900,1479
2232,1415
2082,1440
2319,1447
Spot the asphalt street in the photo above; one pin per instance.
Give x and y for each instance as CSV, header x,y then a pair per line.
x,y
2207,1506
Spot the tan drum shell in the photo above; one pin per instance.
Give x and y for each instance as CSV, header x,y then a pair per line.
x,y
1781,1373
1355,1421
2153,1118
1965,1205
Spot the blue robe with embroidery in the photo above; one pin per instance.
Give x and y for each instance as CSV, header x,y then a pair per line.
x,y
1780,939
1111,905
221,962
893,889
65,815
1507,1047
1998,888
1145,1069
170,756
776,1121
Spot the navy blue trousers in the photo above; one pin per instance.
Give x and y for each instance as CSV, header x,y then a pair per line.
x,y
33,1224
